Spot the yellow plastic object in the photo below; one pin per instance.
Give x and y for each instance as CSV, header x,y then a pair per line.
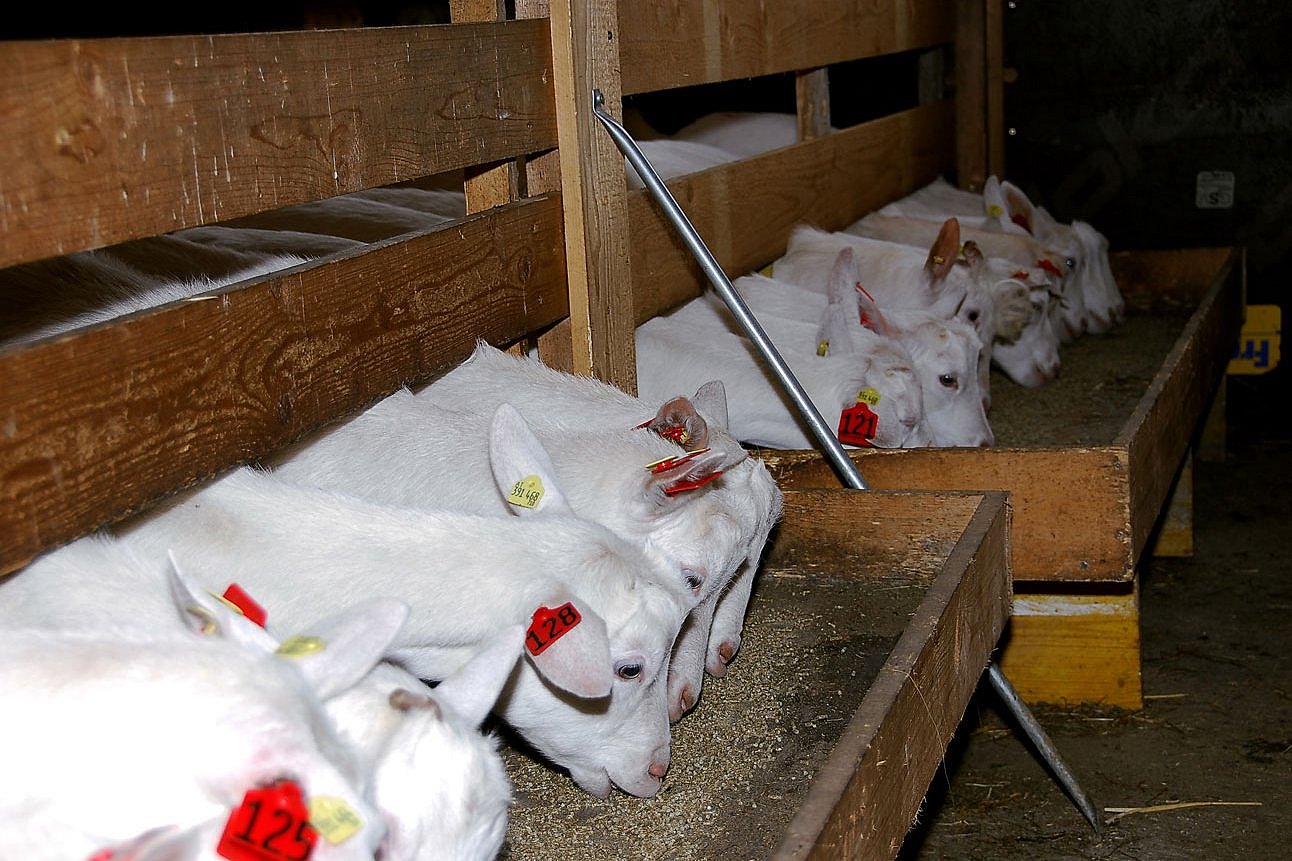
x,y
1257,351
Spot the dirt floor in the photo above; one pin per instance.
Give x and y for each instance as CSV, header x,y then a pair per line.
x,y
1204,771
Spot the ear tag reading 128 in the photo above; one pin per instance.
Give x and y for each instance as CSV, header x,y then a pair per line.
x,y
271,824
549,626
527,493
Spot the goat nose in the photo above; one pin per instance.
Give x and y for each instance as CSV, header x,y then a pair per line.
x,y
659,763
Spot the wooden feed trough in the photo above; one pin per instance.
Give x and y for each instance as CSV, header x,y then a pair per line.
x,y
874,615
1090,462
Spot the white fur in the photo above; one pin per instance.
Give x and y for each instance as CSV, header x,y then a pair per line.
x,y
700,339
674,158
1026,345
112,728
466,577
567,406
743,133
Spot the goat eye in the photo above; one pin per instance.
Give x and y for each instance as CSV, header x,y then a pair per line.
x,y
693,581
1070,262
628,672
949,381
973,316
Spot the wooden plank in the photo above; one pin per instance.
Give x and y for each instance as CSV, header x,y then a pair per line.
x,y
812,102
864,800
1080,534
101,422
1068,648
673,43
971,94
135,137
585,56
1160,430
745,211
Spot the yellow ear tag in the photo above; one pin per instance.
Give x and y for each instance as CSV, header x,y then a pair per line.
x,y
300,646
869,396
527,493
822,348
335,820
939,259
995,211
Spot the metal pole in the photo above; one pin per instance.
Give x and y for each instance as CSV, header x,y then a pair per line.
x,y
830,445
834,450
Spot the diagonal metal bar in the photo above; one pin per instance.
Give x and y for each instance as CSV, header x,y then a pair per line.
x,y
826,440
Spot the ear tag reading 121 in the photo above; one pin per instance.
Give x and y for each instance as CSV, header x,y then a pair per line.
x,y
857,425
527,493
271,824
549,626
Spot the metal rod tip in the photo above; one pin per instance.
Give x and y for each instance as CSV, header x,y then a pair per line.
x,y
597,99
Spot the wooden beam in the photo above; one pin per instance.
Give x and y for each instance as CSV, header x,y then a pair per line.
x,y
585,55
670,43
745,211
137,137
105,420
971,94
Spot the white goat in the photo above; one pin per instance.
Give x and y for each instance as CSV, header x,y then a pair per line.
x,y
859,367
466,577
110,731
560,405
1026,346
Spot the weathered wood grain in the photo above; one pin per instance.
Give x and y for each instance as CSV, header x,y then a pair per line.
x,y
680,43
102,422
135,137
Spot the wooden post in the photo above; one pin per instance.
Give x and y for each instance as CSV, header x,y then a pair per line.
x,y
812,95
585,55
971,94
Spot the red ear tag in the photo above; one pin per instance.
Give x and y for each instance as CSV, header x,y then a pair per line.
x,y
238,597
1048,266
857,425
1022,273
680,486
549,626
865,292
673,461
676,433
271,824
102,855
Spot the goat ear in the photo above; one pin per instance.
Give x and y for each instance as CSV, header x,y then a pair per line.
x,y
711,399
203,613
337,652
834,330
945,250
522,469
679,421
578,659
473,689
870,317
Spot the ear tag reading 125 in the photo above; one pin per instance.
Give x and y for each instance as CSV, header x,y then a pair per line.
x,y
549,626
527,493
271,824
